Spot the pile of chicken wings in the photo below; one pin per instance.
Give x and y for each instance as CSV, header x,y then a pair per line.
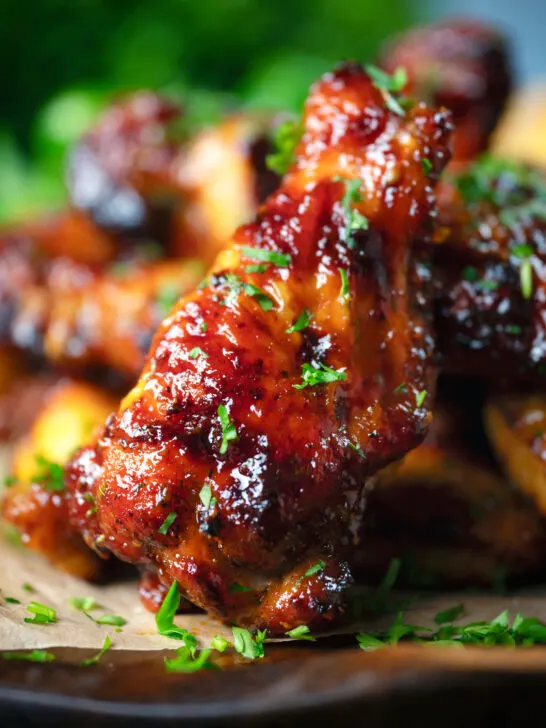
x,y
264,360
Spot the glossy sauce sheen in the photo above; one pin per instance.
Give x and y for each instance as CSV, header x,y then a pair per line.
x,y
290,492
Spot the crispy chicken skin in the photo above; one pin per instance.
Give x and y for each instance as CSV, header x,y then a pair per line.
x,y
489,260
217,472
463,65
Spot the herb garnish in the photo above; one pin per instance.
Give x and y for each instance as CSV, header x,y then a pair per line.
x,y
285,138
197,351
167,523
256,268
522,631
248,646
189,661
312,570
420,397
42,614
301,633
236,286
302,322
236,588
345,292
205,496
354,220
229,431
83,604
164,620
281,260
93,660
50,475
219,643
388,85
322,374
427,166
33,656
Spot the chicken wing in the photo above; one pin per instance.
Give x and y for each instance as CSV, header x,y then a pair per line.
x,y
489,263
463,65
238,466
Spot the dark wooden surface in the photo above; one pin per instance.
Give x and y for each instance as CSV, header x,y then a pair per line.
x,y
334,685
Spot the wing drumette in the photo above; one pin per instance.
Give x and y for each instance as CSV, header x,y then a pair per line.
x,y
463,65
238,465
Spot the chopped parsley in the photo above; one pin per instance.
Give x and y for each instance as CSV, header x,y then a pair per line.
x,y
427,166
357,449
312,570
204,326
33,656
281,260
9,481
302,322
164,620
286,138
236,588
522,251
449,615
96,658
259,268
265,303
401,388
345,292
229,431
11,600
197,351
167,523
112,619
523,631
187,660
245,644
354,220
513,329
219,643
50,475
42,614
322,374
420,397
388,85
83,604
301,633
205,496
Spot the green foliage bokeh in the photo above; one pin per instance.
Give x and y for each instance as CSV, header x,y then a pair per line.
x,y
63,59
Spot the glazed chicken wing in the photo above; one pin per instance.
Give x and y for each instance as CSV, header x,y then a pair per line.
x,y
463,65
489,269
238,466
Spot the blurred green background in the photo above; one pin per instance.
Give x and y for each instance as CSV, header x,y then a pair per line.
x,y
63,59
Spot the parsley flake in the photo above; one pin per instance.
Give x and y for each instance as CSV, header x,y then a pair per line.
x,y
301,633
526,278
83,604
33,656
389,84
345,292
167,523
187,661
302,322
50,475
229,431
261,297
322,374
166,299
236,588
197,351
285,138
205,496
420,397
42,614
164,620
312,570
354,220
96,658
281,260
245,644
219,643
259,268
427,166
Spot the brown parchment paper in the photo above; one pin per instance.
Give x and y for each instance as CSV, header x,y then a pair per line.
x,y
73,629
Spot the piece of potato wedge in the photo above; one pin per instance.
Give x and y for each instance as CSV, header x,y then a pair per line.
x,y
66,419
